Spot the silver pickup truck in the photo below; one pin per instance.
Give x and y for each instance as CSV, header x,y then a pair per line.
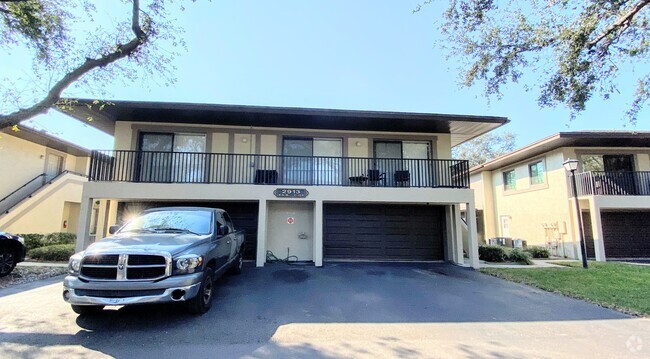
x,y
171,254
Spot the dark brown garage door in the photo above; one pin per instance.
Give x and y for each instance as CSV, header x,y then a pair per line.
x,y
243,215
626,234
383,232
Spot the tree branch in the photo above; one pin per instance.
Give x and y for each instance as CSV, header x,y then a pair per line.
x,y
54,95
622,22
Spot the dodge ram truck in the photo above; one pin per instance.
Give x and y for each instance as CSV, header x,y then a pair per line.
x,y
171,254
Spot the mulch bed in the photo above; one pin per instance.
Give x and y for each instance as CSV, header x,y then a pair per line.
x,y
22,275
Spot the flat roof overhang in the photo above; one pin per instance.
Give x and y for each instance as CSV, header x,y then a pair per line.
x,y
44,139
461,127
585,139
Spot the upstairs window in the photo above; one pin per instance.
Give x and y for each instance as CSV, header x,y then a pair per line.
x,y
536,172
509,180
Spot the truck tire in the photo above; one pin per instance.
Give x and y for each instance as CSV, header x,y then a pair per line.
x,y
7,260
202,302
237,265
87,309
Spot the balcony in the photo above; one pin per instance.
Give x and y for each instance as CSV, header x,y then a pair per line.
x,y
602,183
186,167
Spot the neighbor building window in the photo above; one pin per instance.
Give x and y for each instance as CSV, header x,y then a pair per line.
x,y
536,172
509,180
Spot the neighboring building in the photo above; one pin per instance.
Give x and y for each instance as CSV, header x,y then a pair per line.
x,y
312,183
527,194
41,182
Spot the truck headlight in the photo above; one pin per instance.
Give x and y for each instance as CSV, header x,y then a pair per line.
x,y
187,263
74,263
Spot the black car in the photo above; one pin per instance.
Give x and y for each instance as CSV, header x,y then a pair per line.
x,y
12,252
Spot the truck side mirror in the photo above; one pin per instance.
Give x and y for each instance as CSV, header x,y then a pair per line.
x,y
224,230
112,229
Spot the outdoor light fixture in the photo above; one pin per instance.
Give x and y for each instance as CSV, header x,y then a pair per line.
x,y
244,139
571,166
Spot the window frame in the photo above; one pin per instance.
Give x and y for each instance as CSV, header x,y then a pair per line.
x,y
541,176
505,178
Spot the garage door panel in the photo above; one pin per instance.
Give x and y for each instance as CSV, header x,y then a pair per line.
x,y
626,234
371,231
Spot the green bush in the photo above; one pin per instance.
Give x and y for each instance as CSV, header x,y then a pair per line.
x,y
59,238
33,240
491,253
538,252
57,252
517,255
37,240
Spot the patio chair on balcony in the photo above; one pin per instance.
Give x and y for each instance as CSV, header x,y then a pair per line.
x,y
374,177
402,178
266,177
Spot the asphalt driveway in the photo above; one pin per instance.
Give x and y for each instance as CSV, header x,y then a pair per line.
x,y
341,310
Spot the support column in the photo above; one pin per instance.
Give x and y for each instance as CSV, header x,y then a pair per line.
x,y
318,233
111,217
458,235
261,234
472,241
597,230
450,247
85,211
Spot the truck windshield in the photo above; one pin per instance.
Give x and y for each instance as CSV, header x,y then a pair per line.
x,y
195,222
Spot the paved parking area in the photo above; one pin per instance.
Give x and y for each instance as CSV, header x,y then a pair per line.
x,y
341,310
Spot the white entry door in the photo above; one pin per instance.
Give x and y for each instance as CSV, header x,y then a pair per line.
x,y
505,226
53,166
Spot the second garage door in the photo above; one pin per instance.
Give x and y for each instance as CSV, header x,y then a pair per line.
x,y
383,232
627,234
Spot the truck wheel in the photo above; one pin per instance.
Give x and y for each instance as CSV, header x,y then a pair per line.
x,y
7,261
237,265
202,302
87,309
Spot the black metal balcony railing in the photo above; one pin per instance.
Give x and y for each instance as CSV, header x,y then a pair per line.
x,y
185,167
613,183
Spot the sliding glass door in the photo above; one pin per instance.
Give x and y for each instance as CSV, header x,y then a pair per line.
x,y
305,163
170,157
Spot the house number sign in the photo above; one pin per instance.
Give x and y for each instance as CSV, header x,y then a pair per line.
x,y
291,193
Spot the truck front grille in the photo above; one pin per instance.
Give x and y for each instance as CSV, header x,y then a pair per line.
x,y
124,267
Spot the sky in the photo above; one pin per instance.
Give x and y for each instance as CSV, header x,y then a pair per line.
x,y
359,55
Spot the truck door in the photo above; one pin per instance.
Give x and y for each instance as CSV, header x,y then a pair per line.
x,y
234,237
224,242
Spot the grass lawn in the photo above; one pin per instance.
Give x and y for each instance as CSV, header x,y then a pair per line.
x,y
621,286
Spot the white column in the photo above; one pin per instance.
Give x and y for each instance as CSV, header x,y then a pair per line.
x,y
111,215
597,230
458,235
471,234
318,233
261,234
85,211
450,246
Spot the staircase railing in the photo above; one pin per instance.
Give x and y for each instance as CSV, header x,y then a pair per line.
x,y
27,190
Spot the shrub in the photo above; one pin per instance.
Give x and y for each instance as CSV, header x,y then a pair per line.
x,y
33,240
538,252
57,252
491,253
37,240
59,238
517,255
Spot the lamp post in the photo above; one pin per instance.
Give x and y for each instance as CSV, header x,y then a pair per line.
x,y
571,166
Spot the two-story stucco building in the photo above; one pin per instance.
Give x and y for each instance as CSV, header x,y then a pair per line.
x,y
527,194
41,184
316,184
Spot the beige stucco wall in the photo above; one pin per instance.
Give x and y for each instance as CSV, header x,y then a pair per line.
x,y
45,211
537,213
25,159
270,139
